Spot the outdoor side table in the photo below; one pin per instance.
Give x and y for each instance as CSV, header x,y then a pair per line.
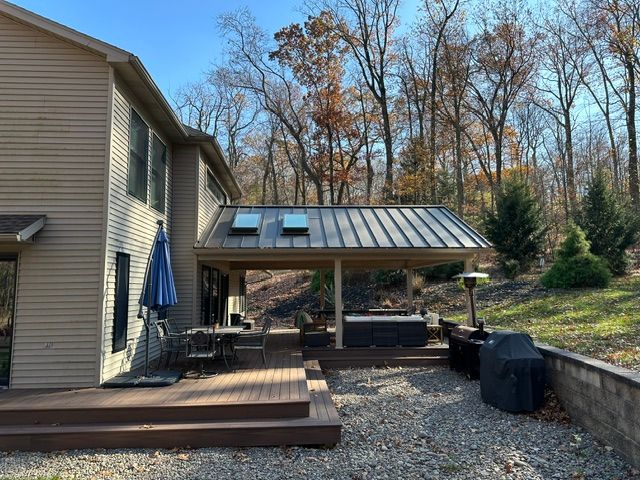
x,y
434,333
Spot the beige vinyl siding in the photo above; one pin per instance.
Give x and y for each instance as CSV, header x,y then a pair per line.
x,y
53,117
183,258
207,203
206,206
131,229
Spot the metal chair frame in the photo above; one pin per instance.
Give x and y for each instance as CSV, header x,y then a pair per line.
x,y
253,341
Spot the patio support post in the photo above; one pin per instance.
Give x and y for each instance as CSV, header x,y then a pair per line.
x,y
337,283
322,288
468,268
410,290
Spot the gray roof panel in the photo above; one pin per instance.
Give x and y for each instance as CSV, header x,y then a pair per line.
x,y
351,227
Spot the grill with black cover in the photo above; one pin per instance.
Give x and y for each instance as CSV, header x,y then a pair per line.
x,y
512,372
464,345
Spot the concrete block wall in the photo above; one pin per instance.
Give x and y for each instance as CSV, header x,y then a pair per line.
x,y
602,398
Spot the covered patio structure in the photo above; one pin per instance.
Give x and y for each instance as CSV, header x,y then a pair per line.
x,y
338,238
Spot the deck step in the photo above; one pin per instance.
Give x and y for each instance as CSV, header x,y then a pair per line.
x,y
321,426
358,362
378,356
156,413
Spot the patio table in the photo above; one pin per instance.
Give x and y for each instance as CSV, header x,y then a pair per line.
x,y
226,333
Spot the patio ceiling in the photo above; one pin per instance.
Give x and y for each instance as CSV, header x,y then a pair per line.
x,y
361,236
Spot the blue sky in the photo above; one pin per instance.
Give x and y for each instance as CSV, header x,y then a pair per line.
x,y
176,39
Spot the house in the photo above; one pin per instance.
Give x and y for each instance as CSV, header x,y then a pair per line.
x,y
91,157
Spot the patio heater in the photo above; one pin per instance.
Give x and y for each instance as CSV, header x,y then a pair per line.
x,y
470,280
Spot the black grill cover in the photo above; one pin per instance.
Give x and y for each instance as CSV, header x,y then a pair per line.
x,y
511,372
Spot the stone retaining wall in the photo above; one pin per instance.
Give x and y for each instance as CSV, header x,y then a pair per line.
x,y
602,398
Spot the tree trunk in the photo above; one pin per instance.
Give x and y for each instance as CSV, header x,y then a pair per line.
x,y
497,151
459,173
388,146
571,182
634,190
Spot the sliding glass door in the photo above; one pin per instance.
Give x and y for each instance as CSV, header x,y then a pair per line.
x,y
213,296
8,274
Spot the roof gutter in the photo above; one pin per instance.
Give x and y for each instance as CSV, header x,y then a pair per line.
x,y
140,69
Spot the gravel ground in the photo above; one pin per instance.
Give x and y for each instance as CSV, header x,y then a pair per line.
x,y
398,423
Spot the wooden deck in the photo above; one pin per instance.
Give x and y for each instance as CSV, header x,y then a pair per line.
x,y
287,403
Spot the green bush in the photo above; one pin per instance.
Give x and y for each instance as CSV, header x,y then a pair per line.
x,y
608,223
516,228
389,278
576,266
511,268
315,280
441,272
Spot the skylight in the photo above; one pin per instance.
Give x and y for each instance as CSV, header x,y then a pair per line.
x,y
295,223
246,223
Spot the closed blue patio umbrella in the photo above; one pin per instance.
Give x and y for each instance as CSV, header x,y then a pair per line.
x,y
159,290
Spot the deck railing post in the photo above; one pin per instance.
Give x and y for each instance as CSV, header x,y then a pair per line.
x,y
322,289
337,282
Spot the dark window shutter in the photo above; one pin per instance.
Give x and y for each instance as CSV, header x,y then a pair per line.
x,y
121,308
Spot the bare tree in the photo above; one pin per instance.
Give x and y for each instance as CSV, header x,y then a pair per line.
x,y
564,65
275,92
454,86
367,27
503,64
439,14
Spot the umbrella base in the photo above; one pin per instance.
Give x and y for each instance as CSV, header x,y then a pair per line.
x,y
161,378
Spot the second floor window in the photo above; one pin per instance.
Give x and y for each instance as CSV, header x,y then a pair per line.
x,y
138,155
158,174
214,188
147,164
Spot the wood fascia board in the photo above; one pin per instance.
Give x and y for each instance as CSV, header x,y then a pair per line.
x,y
274,254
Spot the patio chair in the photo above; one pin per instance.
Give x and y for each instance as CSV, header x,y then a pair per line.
x,y
169,342
201,345
253,341
312,333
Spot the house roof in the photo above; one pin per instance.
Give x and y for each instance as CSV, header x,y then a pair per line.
x,y
20,228
347,227
222,168
411,229
359,236
133,72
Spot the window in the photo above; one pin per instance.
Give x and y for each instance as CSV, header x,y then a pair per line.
x,y
121,308
246,223
138,157
158,174
295,223
214,187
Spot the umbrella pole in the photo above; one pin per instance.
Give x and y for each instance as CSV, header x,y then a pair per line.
x,y
146,344
147,320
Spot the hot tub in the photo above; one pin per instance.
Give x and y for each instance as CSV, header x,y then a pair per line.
x,y
384,331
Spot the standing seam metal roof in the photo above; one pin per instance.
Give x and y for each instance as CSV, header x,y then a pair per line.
x,y
349,226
